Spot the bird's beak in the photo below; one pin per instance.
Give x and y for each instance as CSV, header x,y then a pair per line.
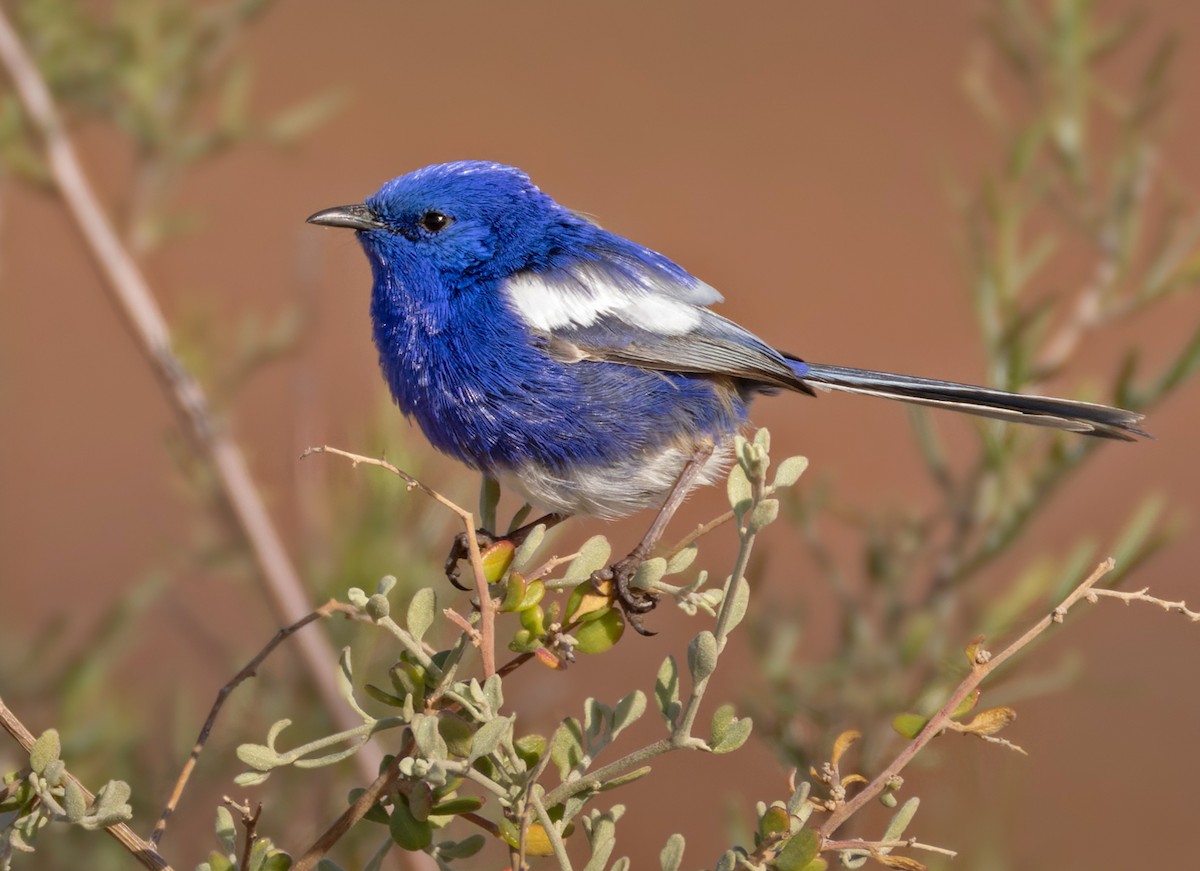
x,y
356,217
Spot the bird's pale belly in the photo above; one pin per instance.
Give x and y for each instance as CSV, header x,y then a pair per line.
x,y
613,490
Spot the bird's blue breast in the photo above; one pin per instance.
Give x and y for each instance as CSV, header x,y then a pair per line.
x,y
475,379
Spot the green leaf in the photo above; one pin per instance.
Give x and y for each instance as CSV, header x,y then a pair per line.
x,y
252,778
599,635
776,821
258,756
421,611
74,802
489,737
789,471
702,656
909,725
682,560
627,777
383,696
458,734
671,856
464,849
534,592
112,804
428,739
529,547
530,748
496,559
737,488
649,573
46,749
739,601
406,830
666,691
593,556
901,819
728,732
489,498
420,801
463,804
566,746
763,515
798,851
226,830
628,711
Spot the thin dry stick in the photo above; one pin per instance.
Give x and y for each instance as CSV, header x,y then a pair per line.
x,y
487,608
981,667
136,304
1143,595
879,846
143,851
382,785
330,608
249,822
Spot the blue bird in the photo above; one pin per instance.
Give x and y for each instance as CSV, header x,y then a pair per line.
x,y
579,368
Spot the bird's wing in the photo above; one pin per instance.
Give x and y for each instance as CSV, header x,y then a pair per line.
x,y
620,307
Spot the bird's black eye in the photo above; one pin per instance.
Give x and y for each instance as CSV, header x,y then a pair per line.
x,y
434,222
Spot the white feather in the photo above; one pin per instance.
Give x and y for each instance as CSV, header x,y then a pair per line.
x,y
615,490
587,293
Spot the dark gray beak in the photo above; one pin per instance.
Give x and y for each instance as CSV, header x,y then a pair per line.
x,y
356,217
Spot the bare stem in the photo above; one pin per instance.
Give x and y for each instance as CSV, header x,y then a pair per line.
x,y
381,786
487,608
131,294
251,669
981,667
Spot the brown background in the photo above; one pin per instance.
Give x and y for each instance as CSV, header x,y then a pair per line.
x,y
790,154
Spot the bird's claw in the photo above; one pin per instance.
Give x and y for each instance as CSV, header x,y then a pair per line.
x,y
461,550
632,601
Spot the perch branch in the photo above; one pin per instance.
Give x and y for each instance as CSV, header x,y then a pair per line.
x,y
487,608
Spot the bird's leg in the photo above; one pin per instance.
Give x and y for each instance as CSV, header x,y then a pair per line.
x,y
635,602
485,538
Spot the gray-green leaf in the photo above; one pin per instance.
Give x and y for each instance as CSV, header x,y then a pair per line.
x,y
671,856
421,611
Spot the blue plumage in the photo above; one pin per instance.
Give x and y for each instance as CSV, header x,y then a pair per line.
x,y
578,366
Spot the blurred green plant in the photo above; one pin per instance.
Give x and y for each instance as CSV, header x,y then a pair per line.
x,y
1079,190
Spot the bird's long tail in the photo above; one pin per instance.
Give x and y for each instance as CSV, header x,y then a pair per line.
x,y
1069,414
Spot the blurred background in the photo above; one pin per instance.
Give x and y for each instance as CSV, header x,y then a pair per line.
x,y
824,165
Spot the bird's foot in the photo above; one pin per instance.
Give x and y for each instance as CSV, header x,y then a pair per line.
x,y
461,550
632,601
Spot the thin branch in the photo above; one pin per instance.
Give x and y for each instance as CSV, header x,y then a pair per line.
x,y
487,608
381,786
143,851
911,844
249,822
983,665
556,841
1142,595
331,607
135,302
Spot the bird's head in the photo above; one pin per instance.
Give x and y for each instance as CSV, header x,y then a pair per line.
x,y
469,218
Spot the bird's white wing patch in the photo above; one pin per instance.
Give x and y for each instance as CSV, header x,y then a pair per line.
x,y
587,292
